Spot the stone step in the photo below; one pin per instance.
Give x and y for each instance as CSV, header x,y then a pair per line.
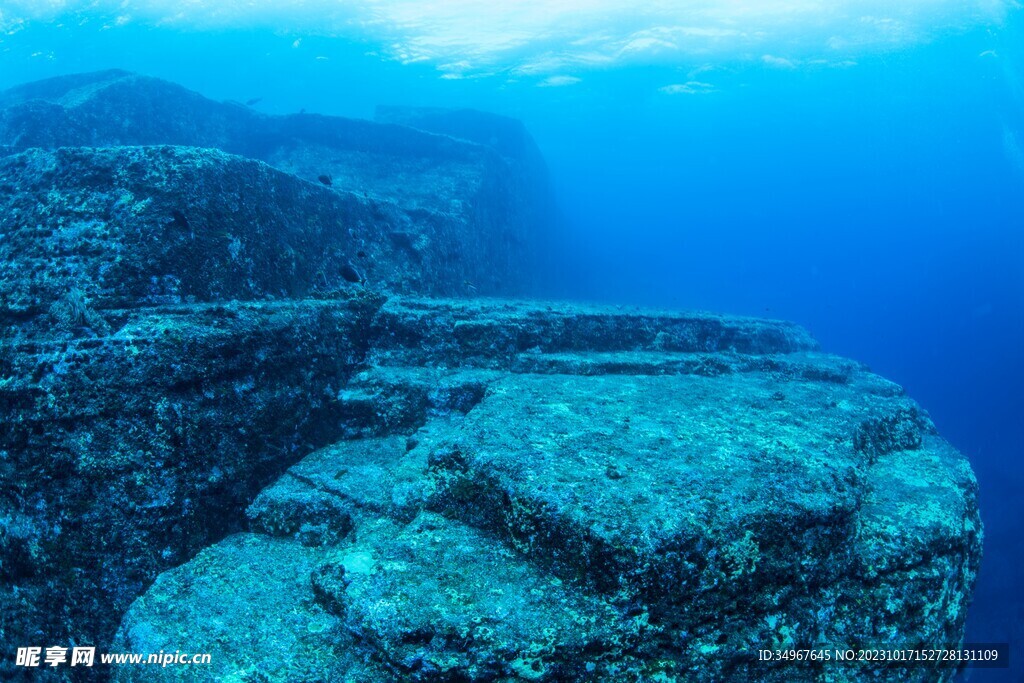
x,y
319,499
435,599
798,365
493,332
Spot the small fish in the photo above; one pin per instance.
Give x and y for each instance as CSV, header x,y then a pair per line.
x,y
254,100
349,272
470,286
178,220
326,180
361,254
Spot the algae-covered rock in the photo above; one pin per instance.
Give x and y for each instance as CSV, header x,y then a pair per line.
x,y
443,601
232,425
125,454
660,521
720,503
92,229
251,605
694,507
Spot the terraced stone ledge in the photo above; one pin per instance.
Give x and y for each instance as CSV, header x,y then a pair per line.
x,y
572,497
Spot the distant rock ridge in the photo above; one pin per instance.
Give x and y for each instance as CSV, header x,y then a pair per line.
x,y
487,208
248,413
506,136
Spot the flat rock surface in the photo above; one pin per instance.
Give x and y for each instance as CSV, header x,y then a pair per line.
x,y
443,601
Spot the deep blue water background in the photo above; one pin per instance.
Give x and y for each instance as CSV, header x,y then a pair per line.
x,y
880,205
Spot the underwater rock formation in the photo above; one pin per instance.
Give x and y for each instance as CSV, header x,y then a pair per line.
x,y
589,494
480,204
230,425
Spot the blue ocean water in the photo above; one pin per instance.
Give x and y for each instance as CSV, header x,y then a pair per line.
x,y
874,195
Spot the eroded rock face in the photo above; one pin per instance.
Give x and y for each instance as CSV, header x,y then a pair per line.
x,y
127,452
232,425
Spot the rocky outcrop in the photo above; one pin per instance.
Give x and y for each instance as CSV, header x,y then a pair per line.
x,y
540,510
233,424
480,204
122,227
